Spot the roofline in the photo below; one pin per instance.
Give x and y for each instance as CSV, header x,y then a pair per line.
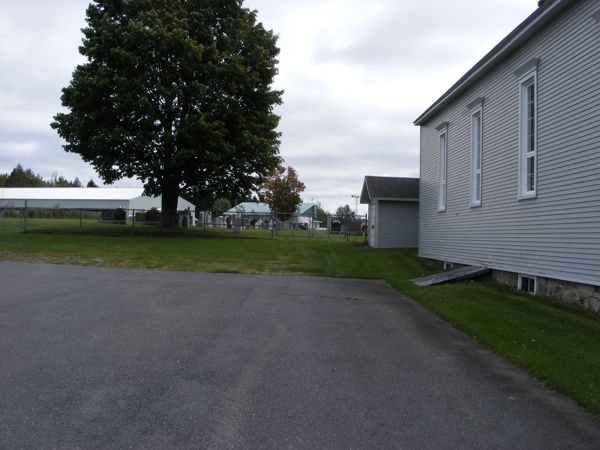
x,y
395,199
516,38
398,199
365,185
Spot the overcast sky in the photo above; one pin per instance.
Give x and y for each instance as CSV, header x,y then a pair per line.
x,y
355,73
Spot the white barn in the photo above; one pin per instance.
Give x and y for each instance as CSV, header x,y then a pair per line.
x,y
83,198
393,219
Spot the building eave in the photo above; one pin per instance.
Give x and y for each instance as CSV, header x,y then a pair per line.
x,y
505,48
395,199
364,193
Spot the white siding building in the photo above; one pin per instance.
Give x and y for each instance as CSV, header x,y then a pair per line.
x,y
393,218
510,158
83,198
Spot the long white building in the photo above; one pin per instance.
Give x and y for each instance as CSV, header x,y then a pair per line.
x,y
83,198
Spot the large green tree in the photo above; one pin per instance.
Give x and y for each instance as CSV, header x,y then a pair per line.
x,y
176,93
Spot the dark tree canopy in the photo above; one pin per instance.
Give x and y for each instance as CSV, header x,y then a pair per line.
x,y
91,184
176,93
20,177
220,206
321,213
345,212
60,181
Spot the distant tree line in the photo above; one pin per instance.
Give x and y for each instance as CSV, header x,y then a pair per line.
x,y
20,177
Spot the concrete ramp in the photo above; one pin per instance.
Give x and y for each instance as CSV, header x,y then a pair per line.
x,y
464,273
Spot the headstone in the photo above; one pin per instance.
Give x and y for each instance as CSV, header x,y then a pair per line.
x,y
237,225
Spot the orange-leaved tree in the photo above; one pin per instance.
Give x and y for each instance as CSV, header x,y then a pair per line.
x,y
281,190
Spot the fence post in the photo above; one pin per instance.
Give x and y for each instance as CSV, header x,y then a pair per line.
x,y
132,221
81,220
25,214
273,225
347,227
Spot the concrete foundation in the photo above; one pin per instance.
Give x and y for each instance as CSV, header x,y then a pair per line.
x,y
584,295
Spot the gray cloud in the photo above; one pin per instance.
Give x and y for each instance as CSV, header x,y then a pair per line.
x,y
355,76
415,36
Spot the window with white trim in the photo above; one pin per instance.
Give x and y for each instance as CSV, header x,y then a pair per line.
x,y
528,137
442,170
528,284
476,155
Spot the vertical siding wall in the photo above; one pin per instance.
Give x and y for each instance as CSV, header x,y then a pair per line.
x,y
373,230
557,234
398,224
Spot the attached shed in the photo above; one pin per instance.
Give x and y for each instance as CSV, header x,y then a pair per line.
x,y
83,198
393,219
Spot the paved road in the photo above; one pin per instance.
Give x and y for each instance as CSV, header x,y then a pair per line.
x,y
102,358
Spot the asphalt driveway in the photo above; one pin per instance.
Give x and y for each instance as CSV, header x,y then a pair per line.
x,y
107,358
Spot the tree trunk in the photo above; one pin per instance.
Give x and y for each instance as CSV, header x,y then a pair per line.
x,y
168,216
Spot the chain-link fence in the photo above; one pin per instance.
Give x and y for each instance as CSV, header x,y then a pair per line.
x,y
347,225
260,225
11,219
285,224
63,219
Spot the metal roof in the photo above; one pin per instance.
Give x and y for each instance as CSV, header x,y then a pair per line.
x,y
264,208
389,188
547,11
250,208
99,193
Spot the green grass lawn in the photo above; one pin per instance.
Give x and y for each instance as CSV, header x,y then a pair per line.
x,y
557,343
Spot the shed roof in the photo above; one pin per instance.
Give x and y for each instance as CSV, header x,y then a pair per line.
x,y
389,188
70,193
546,12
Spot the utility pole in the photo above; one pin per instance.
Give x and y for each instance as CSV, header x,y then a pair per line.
x,y
355,197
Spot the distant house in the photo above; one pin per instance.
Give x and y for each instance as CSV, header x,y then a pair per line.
x,y
393,218
250,208
83,198
510,158
305,215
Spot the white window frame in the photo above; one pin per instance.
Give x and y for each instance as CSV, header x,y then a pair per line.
x,y
476,151
526,150
520,286
442,197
